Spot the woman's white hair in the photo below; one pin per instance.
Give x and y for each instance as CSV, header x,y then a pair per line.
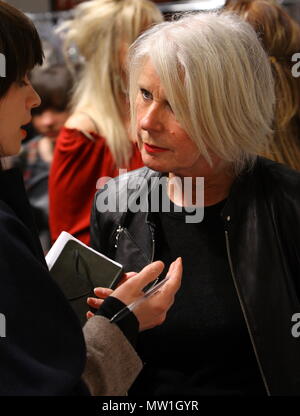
x,y
100,31
217,79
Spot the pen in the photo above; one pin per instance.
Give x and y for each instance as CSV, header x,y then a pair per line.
x,y
129,308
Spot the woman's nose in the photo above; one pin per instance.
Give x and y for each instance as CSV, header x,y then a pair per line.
x,y
34,99
152,120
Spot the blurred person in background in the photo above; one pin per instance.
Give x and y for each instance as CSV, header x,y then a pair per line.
x,y
95,141
280,36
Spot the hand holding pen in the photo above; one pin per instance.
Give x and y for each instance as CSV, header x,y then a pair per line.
x,y
130,308
149,309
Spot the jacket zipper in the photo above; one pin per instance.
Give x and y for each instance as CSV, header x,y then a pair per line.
x,y
244,313
118,232
120,229
153,251
153,242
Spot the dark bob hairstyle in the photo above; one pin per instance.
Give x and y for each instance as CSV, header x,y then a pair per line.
x,y
20,46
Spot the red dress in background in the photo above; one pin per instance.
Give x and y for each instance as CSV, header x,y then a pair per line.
x,y
77,165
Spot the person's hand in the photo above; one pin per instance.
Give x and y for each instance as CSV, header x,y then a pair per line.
x,y
153,310
102,293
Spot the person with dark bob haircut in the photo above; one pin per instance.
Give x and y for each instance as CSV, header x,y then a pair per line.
x,y
42,348
54,84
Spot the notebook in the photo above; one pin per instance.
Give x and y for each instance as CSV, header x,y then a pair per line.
x,y
78,269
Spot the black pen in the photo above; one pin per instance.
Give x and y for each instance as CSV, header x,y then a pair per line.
x,y
129,308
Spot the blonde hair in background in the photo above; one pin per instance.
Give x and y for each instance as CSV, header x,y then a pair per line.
x,y
101,31
280,36
217,79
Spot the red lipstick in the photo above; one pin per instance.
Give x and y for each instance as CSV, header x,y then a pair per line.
x,y
24,133
154,149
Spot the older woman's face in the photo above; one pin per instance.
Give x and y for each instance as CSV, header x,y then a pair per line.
x,y
163,143
15,112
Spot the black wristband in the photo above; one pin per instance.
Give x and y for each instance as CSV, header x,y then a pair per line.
x,y
129,325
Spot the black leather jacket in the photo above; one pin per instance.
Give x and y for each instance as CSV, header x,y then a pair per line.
x,y
262,231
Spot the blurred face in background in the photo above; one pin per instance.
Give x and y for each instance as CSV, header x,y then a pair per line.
x,y
49,122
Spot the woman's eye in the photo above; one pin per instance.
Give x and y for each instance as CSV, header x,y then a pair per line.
x,y
146,94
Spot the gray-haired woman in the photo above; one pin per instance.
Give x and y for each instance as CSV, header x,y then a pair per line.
x,y
202,102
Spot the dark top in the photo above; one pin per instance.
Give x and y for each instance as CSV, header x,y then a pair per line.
x,y
43,351
203,347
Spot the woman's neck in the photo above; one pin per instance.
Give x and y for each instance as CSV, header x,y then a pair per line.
x,y
200,191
